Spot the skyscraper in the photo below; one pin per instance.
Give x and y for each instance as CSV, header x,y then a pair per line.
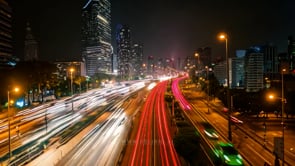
x,y
205,55
137,59
6,58
238,72
254,69
123,39
271,62
291,52
96,36
31,45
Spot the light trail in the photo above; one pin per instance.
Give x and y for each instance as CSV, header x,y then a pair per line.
x,y
178,94
153,142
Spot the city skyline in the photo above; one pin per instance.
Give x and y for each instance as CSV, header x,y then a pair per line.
x,y
147,78
166,29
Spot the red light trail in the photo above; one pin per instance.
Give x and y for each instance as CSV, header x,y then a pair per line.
x,y
153,142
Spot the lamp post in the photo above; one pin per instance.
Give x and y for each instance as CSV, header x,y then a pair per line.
x,y
71,71
87,84
283,102
198,60
208,84
8,118
225,37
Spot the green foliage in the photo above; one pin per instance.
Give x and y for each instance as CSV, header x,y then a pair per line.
x,y
186,142
214,86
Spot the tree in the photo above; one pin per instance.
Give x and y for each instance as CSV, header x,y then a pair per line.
x,y
186,142
79,80
214,86
34,77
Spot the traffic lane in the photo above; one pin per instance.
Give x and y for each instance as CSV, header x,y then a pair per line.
x,y
245,145
166,143
140,153
154,140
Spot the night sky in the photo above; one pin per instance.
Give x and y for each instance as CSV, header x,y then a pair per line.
x,y
167,28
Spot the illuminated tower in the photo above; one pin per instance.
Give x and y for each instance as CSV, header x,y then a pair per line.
x,y
31,46
123,40
96,36
137,59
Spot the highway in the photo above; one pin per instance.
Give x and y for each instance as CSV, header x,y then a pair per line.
x,y
34,129
153,142
39,132
249,144
103,144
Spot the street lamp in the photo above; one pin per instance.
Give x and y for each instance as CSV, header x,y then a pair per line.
x,y
198,57
87,83
8,117
208,84
71,71
283,101
224,36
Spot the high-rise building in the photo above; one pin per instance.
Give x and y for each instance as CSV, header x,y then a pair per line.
x,y
137,59
271,63
150,65
6,57
238,72
31,45
284,62
123,39
220,72
115,63
96,36
254,69
291,53
189,65
205,56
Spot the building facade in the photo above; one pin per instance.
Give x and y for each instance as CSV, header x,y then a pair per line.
x,y
254,69
137,59
220,73
291,53
6,55
270,62
124,55
205,56
97,50
31,45
150,67
238,72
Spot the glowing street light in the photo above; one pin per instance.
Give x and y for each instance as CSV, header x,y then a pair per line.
x,y
283,101
271,97
198,57
8,116
71,72
208,84
224,36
